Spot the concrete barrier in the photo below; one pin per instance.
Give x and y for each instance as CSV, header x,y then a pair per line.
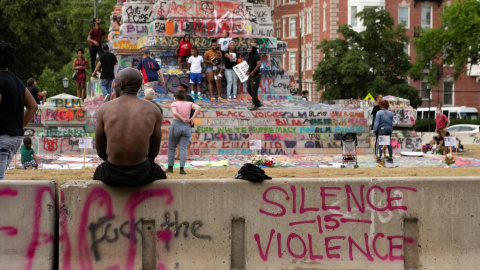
x,y
363,223
28,225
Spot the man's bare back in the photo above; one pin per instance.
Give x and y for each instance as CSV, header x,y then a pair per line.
x,y
129,129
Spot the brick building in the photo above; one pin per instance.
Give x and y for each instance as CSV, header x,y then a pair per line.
x,y
319,19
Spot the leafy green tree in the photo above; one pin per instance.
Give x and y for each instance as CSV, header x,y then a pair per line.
x,y
456,42
29,28
371,61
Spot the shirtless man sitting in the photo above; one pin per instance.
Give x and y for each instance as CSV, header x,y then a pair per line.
x,y
128,136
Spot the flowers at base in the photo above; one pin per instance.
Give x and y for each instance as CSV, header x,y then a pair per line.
x,y
426,148
449,160
264,161
441,150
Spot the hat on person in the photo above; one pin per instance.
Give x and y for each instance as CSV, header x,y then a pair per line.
x,y
149,93
184,85
146,52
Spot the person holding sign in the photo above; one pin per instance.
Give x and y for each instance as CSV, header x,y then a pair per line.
x,y
128,136
231,57
254,63
383,126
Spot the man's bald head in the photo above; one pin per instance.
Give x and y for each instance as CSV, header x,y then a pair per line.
x,y
128,81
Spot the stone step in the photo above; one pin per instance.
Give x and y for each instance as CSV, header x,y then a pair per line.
x,y
269,144
282,129
274,137
246,151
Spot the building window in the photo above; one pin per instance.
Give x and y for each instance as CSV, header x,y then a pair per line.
x,y
448,93
353,14
278,28
309,22
309,58
302,24
426,17
284,28
324,19
403,16
291,1
291,62
424,91
406,49
291,27
284,60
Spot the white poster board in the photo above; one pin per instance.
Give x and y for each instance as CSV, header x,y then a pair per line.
x,y
81,143
240,70
255,144
449,141
85,143
383,140
88,143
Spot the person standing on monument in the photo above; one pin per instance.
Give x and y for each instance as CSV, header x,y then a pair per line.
x,y
80,64
13,117
128,136
151,71
95,37
183,52
207,58
254,62
107,62
231,59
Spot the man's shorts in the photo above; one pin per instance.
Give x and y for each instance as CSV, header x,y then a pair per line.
x,y
195,78
184,57
129,176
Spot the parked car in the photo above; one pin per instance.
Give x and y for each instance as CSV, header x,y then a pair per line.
x,y
464,128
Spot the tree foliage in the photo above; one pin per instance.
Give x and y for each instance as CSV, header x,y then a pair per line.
x,y
46,35
371,61
455,43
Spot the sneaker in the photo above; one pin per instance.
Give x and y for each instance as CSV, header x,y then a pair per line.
x,y
169,170
220,98
229,97
390,160
253,108
379,161
234,97
260,105
200,97
106,98
182,172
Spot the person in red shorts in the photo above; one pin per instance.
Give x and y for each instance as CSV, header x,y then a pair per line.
x,y
80,64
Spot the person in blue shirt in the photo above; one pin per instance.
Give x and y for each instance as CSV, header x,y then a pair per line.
x,y
150,70
383,126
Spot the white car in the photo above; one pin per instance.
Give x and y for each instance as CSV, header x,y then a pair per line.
x,y
464,128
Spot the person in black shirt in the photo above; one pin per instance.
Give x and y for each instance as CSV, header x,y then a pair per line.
x,y
254,78
13,118
376,108
37,94
107,62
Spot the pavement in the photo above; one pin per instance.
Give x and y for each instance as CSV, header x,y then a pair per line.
x,y
297,161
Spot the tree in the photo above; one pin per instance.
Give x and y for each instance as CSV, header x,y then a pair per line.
x,y
456,42
371,61
29,28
